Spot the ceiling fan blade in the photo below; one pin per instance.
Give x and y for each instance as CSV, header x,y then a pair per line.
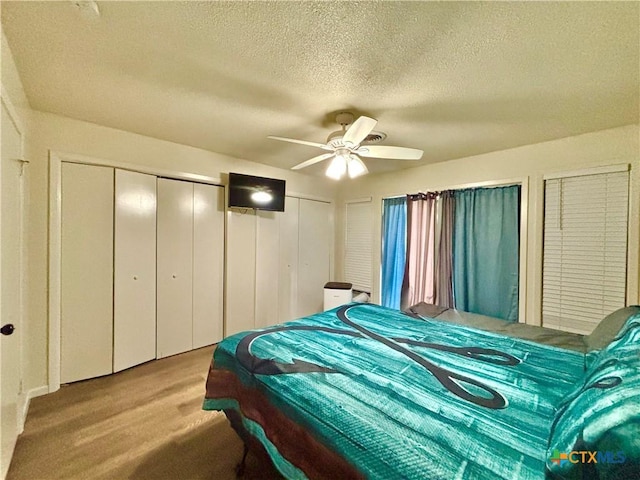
x,y
387,151
313,160
301,142
359,130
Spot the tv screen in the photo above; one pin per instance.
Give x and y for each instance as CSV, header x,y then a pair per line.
x,y
247,191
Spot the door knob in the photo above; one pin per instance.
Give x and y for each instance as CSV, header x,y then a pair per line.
x,y
7,329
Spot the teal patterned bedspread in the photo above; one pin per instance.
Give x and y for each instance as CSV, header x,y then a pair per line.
x,y
400,397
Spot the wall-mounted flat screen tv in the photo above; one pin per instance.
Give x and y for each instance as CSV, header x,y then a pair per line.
x,y
247,191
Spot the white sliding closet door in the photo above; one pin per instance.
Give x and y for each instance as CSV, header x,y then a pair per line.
x,y
241,271
314,255
175,272
134,302
288,265
267,266
86,308
208,263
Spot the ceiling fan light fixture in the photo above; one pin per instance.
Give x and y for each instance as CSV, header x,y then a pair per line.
x,y
356,167
337,168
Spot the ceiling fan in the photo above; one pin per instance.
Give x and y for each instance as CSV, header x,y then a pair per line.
x,y
346,146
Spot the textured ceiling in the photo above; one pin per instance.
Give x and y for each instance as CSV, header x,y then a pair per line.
x,y
453,79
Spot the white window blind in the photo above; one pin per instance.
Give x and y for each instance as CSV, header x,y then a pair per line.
x,y
358,237
585,250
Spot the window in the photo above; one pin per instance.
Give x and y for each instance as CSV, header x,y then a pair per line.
x,y
358,228
585,249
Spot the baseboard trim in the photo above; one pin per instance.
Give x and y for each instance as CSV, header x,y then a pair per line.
x,y
38,391
25,399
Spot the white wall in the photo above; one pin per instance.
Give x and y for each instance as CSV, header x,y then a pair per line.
x,y
61,134
607,147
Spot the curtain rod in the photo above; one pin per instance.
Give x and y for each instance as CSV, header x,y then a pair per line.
x,y
461,187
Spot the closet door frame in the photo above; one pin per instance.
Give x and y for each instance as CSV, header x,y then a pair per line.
x,y
55,237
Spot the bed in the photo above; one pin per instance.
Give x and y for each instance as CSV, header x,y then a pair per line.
x,y
363,391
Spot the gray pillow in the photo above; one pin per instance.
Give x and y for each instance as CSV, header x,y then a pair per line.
x,y
426,309
609,327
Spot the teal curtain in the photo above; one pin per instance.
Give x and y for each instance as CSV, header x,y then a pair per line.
x,y
394,241
486,251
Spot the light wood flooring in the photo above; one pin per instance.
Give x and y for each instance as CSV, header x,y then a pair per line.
x,y
144,423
